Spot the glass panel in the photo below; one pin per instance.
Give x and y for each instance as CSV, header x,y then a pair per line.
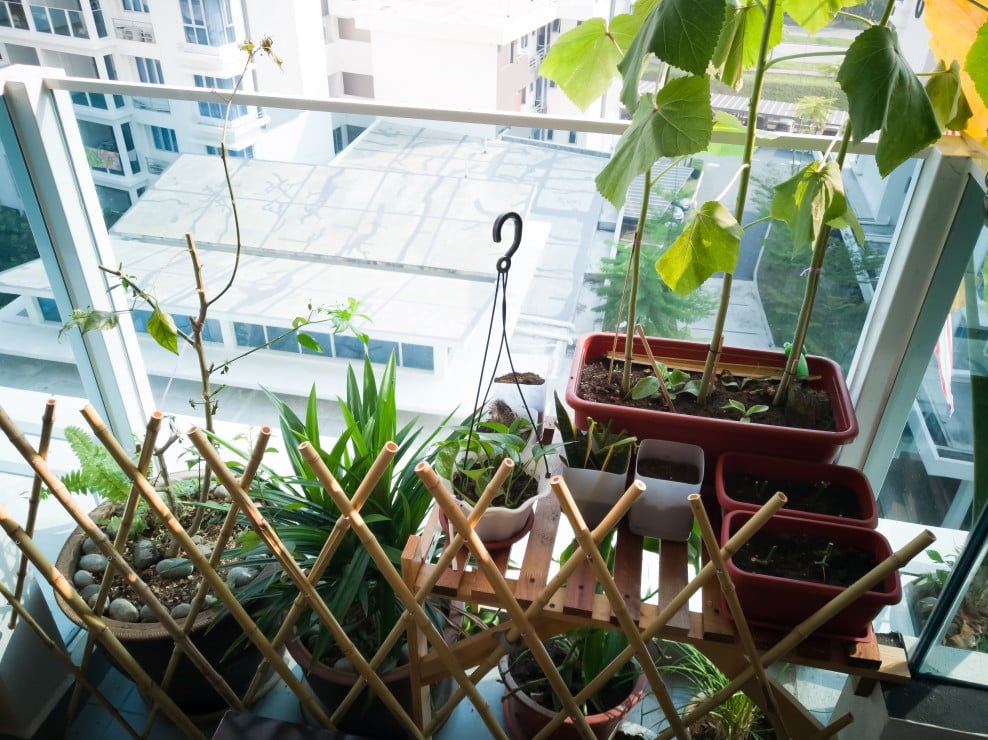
x,y
417,355
285,344
249,335
40,20
325,342
381,351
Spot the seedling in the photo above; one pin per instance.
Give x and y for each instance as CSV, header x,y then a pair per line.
x,y
767,560
746,411
676,382
825,559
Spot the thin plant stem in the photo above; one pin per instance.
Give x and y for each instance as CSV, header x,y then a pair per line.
x,y
636,248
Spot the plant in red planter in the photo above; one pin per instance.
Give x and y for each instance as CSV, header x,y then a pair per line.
x,y
793,567
819,491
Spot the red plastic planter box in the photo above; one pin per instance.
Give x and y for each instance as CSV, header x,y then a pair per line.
x,y
797,471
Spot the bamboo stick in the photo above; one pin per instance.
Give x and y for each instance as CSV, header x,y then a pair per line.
x,y
804,629
201,564
512,634
325,556
293,571
47,425
771,708
94,624
741,369
65,660
744,534
655,368
401,589
215,558
619,608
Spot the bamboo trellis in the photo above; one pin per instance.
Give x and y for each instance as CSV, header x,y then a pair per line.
x,y
538,606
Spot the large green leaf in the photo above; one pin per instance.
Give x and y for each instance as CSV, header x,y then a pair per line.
x,y
740,40
943,87
710,243
162,329
583,61
884,93
680,123
812,197
813,15
683,33
976,62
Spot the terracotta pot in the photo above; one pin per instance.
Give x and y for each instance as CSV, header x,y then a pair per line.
x,y
797,472
151,645
717,436
367,717
594,491
783,603
524,718
663,510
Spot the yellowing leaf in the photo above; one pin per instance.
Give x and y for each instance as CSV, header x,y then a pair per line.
x,y
710,243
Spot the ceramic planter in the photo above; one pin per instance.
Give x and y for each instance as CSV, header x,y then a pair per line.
x,y
782,603
717,436
663,510
816,491
500,524
524,717
594,491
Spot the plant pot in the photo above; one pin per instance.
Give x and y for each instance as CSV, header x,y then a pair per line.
x,y
151,645
818,491
524,717
500,524
783,603
663,510
368,716
717,436
594,491
520,394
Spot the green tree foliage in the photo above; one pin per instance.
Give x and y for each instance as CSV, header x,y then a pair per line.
x,y
16,243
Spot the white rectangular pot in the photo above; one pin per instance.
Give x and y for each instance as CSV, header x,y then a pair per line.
x,y
663,511
595,492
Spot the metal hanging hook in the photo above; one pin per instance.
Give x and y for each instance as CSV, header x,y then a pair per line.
x,y
504,263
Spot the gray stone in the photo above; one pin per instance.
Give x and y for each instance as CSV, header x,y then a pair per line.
x,y
147,615
145,554
94,563
210,601
345,665
123,611
89,591
241,576
89,547
181,610
174,568
83,578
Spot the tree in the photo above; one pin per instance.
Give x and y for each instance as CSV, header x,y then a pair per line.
x,y
814,109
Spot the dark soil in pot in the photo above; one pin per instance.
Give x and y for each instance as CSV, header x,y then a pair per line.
x,y
806,408
668,470
803,558
822,497
521,378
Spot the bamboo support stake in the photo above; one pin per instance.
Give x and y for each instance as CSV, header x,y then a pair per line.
x,y
325,556
394,579
435,486
47,425
804,629
102,541
293,571
201,564
445,559
771,707
215,558
65,660
618,607
680,600
95,625
655,368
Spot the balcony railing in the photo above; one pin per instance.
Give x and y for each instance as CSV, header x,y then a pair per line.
x,y
133,31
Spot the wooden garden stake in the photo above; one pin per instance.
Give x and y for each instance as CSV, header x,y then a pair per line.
x,y
655,368
93,623
47,424
771,708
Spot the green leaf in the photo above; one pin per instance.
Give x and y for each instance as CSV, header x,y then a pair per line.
x,y
680,123
683,33
976,62
308,342
740,41
90,320
584,60
949,104
884,93
728,122
646,387
162,329
812,197
710,243
813,15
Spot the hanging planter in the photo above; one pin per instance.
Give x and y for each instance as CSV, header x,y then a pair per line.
x,y
671,471
521,391
819,491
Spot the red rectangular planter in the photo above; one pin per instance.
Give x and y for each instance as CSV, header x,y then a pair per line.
x,y
784,602
797,472
717,436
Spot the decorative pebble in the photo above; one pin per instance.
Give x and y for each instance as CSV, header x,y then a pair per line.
x,y
94,563
181,610
145,554
147,615
344,665
241,576
89,591
205,550
123,610
83,578
89,547
210,601
174,568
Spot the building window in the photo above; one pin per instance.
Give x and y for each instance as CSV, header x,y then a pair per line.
x,y
111,67
101,147
90,100
218,110
149,70
49,310
12,15
58,21
164,139
246,153
420,356
208,22
136,6
98,19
